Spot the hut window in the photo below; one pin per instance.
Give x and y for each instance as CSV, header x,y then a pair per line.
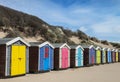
x,y
46,52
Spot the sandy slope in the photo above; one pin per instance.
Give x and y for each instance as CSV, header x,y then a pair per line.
x,y
101,73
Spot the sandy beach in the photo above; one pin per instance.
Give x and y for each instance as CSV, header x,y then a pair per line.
x,y
101,73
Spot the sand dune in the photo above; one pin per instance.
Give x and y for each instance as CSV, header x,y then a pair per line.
x,y
101,73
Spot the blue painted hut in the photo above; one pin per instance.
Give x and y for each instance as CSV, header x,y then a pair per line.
x,y
41,57
76,56
109,56
89,54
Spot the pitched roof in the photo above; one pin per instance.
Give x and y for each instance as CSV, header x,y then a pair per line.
x,y
76,46
87,46
40,44
9,41
60,45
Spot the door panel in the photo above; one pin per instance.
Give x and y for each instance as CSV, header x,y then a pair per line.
x,y
41,59
14,61
18,60
64,57
79,57
116,56
22,59
98,57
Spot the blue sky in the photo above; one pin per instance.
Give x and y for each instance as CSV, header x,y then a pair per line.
x,y
99,18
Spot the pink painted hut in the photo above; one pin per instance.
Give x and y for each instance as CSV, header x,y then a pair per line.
x,y
61,56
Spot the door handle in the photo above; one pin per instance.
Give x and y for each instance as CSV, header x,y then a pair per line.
x,y
19,58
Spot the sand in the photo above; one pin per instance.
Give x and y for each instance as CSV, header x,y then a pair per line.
x,y
101,73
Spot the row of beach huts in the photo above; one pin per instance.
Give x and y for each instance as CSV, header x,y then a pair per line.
x,y
18,57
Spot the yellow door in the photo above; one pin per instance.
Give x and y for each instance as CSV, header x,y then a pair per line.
x,y
14,61
18,60
22,59
98,57
116,56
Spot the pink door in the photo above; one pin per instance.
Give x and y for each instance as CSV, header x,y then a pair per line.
x,y
64,57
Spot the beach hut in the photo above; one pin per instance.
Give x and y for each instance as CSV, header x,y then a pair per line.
x,y
109,56
116,53
103,55
89,54
113,55
40,57
76,56
14,57
61,56
98,55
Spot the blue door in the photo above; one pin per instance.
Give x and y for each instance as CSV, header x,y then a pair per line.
x,y
109,56
46,58
92,56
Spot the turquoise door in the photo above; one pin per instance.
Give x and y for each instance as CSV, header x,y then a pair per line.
x,y
46,58
79,56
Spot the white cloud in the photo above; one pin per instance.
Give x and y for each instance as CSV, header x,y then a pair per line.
x,y
84,29
111,25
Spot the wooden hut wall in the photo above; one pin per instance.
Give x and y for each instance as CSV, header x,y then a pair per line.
x,y
106,56
119,56
33,59
56,58
72,57
2,60
86,57
102,56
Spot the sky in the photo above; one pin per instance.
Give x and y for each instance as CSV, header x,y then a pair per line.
x,y
97,18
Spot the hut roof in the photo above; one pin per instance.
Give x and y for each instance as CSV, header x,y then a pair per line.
x,y
108,49
87,46
40,44
97,48
76,46
60,45
9,41
104,48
